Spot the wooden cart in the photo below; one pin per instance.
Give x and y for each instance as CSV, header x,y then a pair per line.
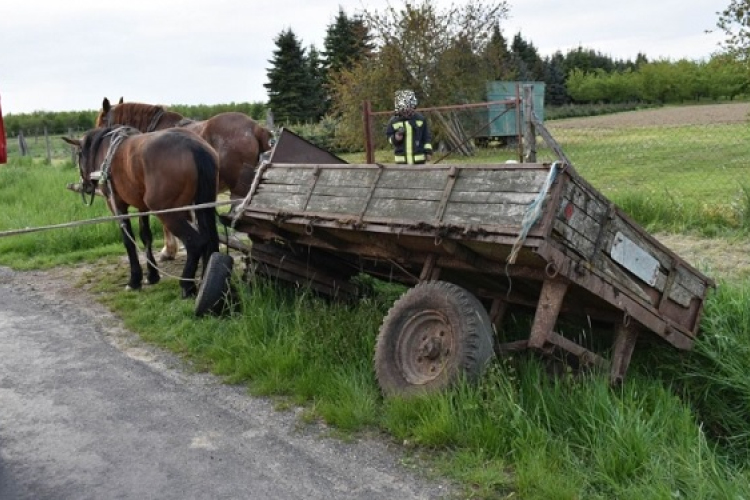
x,y
471,241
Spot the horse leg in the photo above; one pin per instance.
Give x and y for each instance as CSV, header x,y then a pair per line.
x,y
171,245
148,239
194,243
136,273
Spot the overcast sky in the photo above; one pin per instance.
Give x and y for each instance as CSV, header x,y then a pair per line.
x,y
66,55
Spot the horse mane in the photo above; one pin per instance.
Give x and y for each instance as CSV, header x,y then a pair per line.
x,y
136,114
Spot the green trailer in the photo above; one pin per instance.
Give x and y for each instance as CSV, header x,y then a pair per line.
x,y
505,120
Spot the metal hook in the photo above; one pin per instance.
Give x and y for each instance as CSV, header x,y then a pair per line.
x,y
551,270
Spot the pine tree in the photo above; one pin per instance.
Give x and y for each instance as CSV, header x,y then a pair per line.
x,y
288,80
316,102
555,93
347,42
530,66
497,56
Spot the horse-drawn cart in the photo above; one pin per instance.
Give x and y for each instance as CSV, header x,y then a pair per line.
x,y
472,241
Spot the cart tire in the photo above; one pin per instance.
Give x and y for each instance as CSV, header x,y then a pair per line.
x,y
434,334
214,294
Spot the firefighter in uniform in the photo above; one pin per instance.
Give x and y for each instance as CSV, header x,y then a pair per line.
x,y
408,132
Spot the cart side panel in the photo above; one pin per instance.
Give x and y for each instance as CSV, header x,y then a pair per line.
x,y
437,195
608,242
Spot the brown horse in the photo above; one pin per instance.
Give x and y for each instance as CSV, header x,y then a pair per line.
x,y
238,139
155,171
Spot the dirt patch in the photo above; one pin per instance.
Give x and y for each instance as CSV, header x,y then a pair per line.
x,y
669,116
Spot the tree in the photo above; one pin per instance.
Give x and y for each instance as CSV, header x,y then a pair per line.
x,y
436,52
555,93
316,100
734,21
529,65
347,42
497,56
288,80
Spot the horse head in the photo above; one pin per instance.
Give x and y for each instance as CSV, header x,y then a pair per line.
x,y
87,148
266,138
104,118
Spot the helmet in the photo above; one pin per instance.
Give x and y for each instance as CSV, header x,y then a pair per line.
x,y
406,101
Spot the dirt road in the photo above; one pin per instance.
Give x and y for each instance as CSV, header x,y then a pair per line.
x,y
88,412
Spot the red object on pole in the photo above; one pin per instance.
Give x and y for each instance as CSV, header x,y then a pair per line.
x,y
3,140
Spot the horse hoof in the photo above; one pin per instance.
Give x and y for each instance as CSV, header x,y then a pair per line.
x,y
188,293
152,280
130,288
164,257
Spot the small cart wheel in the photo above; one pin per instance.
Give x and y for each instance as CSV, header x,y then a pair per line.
x,y
433,334
215,289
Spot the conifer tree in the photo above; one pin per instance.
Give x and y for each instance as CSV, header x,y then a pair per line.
x,y
347,42
288,80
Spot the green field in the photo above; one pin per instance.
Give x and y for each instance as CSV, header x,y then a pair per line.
x,y
676,429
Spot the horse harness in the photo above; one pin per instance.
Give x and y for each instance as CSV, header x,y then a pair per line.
x,y
118,134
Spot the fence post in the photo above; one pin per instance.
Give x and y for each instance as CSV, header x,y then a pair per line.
x,y
73,151
23,148
48,146
529,141
367,122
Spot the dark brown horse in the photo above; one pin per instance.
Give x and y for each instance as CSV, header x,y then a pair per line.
x,y
150,172
238,139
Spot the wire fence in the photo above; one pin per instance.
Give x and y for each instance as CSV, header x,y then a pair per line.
x,y
696,155
692,155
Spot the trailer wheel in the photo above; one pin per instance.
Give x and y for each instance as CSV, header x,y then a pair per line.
x,y
214,294
433,334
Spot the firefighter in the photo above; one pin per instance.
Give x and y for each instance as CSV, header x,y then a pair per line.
x,y
408,131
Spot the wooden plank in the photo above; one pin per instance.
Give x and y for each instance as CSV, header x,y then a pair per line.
x,y
287,175
523,181
407,194
279,201
414,210
335,204
267,187
492,197
505,214
416,179
346,177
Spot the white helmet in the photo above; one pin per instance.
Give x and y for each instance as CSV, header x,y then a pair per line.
x,y
406,101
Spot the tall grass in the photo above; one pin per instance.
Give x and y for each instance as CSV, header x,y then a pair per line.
x,y
667,433
34,195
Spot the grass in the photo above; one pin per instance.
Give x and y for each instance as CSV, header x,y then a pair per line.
x,y
676,429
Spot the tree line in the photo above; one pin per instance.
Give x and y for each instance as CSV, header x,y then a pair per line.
x,y
447,56
63,122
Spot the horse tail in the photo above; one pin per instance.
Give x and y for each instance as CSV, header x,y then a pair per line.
x,y
205,192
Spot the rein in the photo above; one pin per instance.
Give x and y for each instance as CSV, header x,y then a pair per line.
x,y
118,136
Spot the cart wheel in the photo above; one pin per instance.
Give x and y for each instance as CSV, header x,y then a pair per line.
x,y
215,289
433,334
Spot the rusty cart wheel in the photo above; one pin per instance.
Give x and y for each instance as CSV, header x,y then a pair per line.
x,y
435,333
215,293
